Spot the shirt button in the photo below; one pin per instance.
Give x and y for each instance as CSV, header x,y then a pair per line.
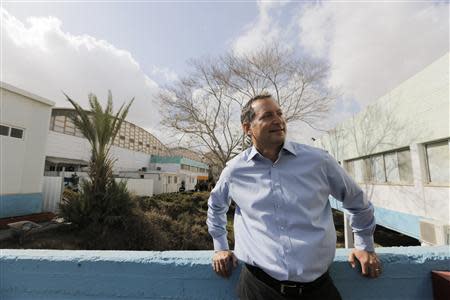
x,y
281,227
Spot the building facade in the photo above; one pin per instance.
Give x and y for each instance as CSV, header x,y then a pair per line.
x,y
137,152
24,119
68,150
397,149
188,170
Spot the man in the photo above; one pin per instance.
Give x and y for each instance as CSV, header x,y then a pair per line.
x,y
283,225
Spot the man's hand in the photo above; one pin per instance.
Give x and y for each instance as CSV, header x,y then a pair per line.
x,y
224,262
370,264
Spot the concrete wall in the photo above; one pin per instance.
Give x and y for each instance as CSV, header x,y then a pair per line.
x,y
52,274
72,147
22,160
419,108
408,117
139,187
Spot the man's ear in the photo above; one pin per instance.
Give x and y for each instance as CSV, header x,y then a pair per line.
x,y
247,129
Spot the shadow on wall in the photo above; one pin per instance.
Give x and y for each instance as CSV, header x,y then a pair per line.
x,y
55,274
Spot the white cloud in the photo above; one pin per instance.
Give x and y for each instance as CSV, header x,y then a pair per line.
x,y
164,74
370,47
40,57
373,47
263,31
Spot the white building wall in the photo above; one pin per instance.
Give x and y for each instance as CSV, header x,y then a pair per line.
x,y
420,108
73,147
419,111
22,160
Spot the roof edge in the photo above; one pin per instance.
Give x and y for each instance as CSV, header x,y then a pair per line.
x,y
24,93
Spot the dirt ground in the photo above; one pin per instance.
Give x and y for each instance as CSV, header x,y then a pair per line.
x,y
63,237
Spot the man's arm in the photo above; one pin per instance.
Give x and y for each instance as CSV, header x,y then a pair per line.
x,y
218,205
361,217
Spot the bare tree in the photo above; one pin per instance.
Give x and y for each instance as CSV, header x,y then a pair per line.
x,y
205,105
368,135
336,142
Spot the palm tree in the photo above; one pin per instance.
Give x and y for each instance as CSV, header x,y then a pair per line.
x,y
101,200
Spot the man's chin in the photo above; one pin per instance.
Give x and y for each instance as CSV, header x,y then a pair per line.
x,y
279,139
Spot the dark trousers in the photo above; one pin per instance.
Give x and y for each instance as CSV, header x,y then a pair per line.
x,y
251,288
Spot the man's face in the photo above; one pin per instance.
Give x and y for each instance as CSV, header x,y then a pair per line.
x,y
268,127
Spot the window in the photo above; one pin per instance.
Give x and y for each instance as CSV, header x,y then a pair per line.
x,y
405,166
378,174
16,133
169,179
122,137
367,169
350,167
392,167
391,162
4,130
132,141
175,179
438,160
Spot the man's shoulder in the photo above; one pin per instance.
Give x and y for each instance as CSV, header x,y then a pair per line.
x,y
238,159
306,150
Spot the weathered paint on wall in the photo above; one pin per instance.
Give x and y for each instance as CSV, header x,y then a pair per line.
x,y
402,222
20,204
51,274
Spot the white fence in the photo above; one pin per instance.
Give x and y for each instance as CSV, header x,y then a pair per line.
x,y
139,187
52,188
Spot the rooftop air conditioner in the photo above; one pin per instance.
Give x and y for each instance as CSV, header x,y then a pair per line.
x,y
434,232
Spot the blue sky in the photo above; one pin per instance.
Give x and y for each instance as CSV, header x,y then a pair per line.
x,y
136,48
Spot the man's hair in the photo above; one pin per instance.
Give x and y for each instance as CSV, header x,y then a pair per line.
x,y
248,113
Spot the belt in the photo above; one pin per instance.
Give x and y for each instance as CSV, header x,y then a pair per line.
x,y
285,287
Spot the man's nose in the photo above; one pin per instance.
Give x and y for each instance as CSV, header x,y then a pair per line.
x,y
278,119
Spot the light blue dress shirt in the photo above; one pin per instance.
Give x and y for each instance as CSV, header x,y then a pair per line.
x,y
283,222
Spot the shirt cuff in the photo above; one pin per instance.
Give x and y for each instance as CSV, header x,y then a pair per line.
x,y
221,243
364,242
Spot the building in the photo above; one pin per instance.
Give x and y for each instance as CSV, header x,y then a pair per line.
x,y
68,150
397,149
138,154
24,119
188,170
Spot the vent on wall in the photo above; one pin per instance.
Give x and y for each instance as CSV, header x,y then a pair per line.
x,y
434,232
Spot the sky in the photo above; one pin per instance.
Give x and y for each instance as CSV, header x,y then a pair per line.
x,y
135,48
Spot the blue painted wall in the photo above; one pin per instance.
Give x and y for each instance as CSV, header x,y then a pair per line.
x,y
53,274
20,204
407,224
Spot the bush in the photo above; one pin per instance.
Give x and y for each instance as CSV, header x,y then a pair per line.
x,y
93,208
181,218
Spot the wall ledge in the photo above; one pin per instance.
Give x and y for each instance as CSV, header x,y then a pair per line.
x,y
68,274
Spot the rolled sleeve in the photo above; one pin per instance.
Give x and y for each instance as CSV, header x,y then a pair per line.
x,y
356,205
218,205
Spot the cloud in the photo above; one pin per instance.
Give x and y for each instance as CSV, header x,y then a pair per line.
x,y
263,31
373,47
163,74
40,57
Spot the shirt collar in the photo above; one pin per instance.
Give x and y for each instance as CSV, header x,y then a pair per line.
x,y
286,146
